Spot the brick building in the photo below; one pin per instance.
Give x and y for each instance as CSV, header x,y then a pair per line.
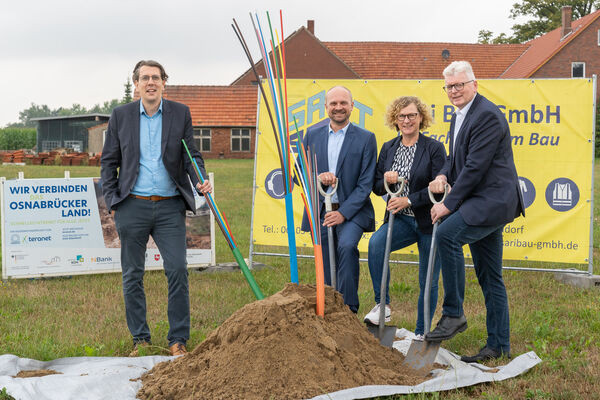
x,y
570,51
224,117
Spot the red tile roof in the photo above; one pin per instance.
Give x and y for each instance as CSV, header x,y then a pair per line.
x,y
543,48
217,105
397,60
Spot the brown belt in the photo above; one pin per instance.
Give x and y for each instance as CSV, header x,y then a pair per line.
x,y
152,198
335,206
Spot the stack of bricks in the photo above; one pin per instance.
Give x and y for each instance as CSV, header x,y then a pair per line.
x,y
95,160
50,158
79,158
16,156
40,159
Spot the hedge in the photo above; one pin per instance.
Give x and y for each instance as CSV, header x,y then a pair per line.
x,y
17,138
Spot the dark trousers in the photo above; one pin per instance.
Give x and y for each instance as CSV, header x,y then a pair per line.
x,y
485,243
346,237
136,220
405,232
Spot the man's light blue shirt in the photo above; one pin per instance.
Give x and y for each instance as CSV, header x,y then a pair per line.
x,y
335,141
153,178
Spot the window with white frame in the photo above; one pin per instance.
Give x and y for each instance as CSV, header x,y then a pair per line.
x,y
202,139
578,70
48,145
240,139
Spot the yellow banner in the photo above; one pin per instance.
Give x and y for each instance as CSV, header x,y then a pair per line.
x,y
552,129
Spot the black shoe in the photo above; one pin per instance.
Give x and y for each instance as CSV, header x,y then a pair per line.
x,y
447,328
485,354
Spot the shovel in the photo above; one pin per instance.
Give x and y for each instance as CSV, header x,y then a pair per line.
x,y
421,354
386,334
328,208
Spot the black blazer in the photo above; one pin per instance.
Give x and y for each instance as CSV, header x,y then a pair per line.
x,y
429,160
481,170
122,151
355,169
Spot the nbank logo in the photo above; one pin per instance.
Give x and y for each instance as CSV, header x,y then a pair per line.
x,y
101,259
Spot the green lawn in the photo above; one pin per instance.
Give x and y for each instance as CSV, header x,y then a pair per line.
x,y
84,315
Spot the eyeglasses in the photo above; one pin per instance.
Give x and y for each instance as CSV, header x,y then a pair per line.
x,y
457,86
411,116
147,78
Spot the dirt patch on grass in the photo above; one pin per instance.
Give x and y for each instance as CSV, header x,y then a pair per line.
x,y
277,348
36,373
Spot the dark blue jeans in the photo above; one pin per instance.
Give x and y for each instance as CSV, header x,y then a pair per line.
x,y
405,233
346,237
136,220
485,243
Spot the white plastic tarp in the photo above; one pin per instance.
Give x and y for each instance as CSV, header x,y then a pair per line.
x,y
99,378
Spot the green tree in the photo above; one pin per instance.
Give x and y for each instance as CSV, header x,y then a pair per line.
x,y
41,111
106,107
127,98
34,111
545,15
17,138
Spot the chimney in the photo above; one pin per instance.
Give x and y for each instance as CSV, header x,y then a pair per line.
x,y
310,25
566,21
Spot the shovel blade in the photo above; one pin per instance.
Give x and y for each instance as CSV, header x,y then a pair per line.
x,y
421,355
389,334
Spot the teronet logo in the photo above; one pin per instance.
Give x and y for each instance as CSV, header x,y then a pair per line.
x,y
36,239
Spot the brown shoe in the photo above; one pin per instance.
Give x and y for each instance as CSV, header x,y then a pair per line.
x,y
178,349
136,348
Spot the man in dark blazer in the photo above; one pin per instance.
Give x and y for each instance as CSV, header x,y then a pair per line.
x,y
145,170
347,152
485,195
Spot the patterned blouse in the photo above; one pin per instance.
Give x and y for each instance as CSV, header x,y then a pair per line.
x,y
403,161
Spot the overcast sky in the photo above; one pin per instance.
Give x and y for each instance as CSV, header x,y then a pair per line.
x,y
63,52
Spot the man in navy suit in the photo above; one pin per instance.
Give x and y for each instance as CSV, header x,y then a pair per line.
x,y
347,152
145,184
484,196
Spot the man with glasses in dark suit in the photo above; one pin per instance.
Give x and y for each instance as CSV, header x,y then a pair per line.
x,y
485,195
145,184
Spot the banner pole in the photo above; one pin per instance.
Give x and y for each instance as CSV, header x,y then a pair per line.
x,y
3,216
254,186
591,256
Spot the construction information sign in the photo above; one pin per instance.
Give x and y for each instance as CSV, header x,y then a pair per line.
x,y
552,128
53,227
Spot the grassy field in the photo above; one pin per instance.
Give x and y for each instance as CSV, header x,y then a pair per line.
x,y
84,315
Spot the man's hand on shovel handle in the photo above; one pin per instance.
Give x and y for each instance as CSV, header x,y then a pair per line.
x,y
333,218
327,178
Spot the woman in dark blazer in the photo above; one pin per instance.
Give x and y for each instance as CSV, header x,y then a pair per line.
x,y
418,159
